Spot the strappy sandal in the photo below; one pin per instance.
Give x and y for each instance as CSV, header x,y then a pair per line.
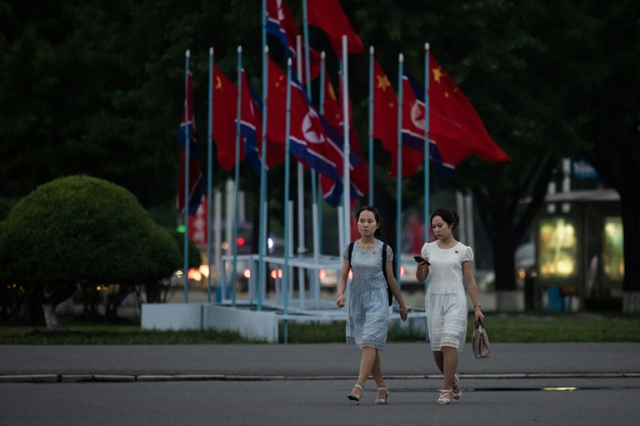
x,y
456,393
382,401
445,397
355,397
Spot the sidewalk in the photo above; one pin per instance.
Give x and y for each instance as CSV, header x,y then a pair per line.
x,y
22,363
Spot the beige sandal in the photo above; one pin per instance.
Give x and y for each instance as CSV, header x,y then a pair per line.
x,y
445,397
355,397
382,401
456,393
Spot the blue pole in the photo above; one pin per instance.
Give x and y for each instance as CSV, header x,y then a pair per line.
x,y
314,184
371,50
261,281
399,166
321,108
427,161
346,177
236,208
306,48
209,174
285,272
186,179
427,156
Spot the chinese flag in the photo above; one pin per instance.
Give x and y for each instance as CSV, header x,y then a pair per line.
x,y
308,141
454,123
276,103
385,124
332,111
225,101
251,131
359,174
328,15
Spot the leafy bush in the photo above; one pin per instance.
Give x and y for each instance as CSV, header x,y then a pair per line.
x,y
83,230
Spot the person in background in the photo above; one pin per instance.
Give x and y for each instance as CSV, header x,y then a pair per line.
x,y
447,262
368,307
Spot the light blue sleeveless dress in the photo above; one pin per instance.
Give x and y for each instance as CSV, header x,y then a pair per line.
x,y
368,304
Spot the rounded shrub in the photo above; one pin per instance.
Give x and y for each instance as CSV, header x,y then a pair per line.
x,y
81,229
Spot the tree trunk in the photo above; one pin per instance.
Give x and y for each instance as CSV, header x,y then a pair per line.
x,y
508,298
631,224
52,298
50,317
506,221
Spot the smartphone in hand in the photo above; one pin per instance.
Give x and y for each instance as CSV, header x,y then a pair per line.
x,y
420,260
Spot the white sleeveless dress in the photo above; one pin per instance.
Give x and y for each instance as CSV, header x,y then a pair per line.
x,y
445,301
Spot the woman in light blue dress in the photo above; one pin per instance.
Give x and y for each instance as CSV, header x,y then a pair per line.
x,y
368,307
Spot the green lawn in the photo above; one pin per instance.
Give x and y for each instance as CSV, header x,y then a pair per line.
x,y
513,328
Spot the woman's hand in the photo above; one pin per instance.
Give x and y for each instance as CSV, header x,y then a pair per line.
x,y
478,313
341,301
404,313
422,270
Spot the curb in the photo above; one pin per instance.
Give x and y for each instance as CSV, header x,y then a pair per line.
x,y
119,378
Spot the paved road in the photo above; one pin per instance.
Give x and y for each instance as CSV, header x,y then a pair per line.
x,y
314,360
523,384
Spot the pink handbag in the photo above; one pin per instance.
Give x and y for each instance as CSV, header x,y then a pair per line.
x,y
480,341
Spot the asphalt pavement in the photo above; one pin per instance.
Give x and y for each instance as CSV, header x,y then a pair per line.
x,y
295,361
590,384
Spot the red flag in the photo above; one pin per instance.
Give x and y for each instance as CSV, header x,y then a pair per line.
x,y
413,125
251,131
385,124
359,174
225,101
276,103
332,110
195,172
280,23
308,141
328,15
198,229
454,123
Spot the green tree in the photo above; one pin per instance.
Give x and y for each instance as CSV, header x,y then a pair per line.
x,y
515,74
82,230
102,91
612,123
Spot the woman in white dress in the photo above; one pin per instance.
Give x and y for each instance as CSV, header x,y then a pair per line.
x,y
446,262
368,307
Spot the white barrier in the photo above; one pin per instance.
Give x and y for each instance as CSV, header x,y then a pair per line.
x,y
171,316
196,316
249,324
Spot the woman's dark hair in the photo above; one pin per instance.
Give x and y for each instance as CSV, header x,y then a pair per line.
x,y
376,214
448,215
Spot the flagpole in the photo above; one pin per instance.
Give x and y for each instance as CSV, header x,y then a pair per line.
x,y
263,169
347,147
314,178
301,240
399,165
263,180
236,207
321,108
427,151
285,272
371,50
307,62
427,163
187,195
209,174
